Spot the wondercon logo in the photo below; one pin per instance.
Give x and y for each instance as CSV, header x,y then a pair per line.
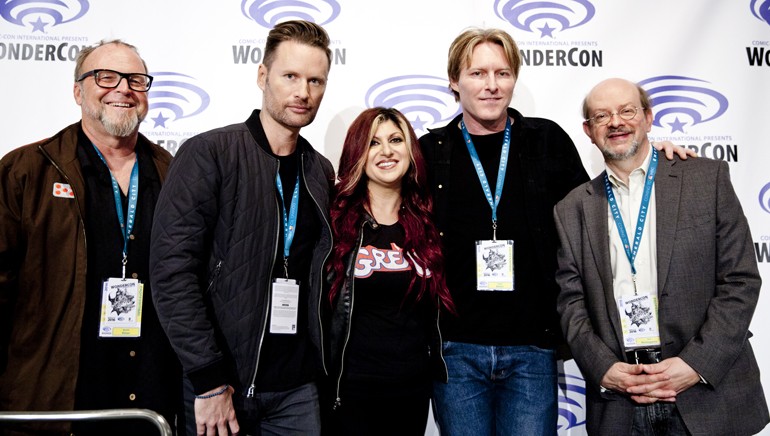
x,y
764,198
761,9
572,398
683,101
174,96
38,14
545,17
268,13
424,100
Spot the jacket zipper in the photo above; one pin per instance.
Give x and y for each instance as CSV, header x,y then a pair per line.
x,y
338,400
77,200
252,387
214,276
441,341
321,273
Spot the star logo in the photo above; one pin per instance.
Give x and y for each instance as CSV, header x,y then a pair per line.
x,y
269,13
424,100
174,96
537,16
683,102
39,25
418,123
41,15
160,120
677,126
546,30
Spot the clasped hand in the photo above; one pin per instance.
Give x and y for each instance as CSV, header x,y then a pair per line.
x,y
649,383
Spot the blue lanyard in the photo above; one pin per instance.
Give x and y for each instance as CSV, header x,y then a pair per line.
x,y
493,202
643,209
133,196
290,219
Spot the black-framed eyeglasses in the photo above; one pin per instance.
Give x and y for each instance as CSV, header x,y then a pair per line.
x,y
110,79
601,118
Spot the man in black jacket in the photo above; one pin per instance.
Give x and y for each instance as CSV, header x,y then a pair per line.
x,y
495,176
239,240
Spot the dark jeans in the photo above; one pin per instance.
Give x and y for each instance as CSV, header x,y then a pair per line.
x,y
497,390
296,411
658,419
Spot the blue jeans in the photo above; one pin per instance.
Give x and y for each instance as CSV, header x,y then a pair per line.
x,y
296,411
658,419
495,390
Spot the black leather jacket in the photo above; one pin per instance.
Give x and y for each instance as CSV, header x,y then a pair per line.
x,y
342,312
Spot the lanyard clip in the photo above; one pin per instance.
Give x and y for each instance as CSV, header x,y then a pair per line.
x,y
125,261
286,267
494,230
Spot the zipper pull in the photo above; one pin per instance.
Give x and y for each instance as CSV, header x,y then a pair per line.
x,y
337,403
213,277
250,392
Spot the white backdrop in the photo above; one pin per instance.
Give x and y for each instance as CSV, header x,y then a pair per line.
x,y
705,62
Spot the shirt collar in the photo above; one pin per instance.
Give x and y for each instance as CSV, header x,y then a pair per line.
x,y
617,181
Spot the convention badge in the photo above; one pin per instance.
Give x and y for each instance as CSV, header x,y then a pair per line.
x,y
121,308
284,307
639,320
494,265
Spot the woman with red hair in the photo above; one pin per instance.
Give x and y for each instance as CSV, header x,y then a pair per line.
x,y
387,281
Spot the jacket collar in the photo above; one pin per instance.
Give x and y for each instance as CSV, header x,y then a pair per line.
x,y
258,133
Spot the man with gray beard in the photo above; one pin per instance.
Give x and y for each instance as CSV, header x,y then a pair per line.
x,y
659,283
78,328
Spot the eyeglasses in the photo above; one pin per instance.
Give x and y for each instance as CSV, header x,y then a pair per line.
x,y
111,79
601,118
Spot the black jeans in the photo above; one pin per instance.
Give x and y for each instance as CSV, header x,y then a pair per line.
x,y
658,419
295,411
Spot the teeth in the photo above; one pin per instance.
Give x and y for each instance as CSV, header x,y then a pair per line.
x,y
120,104
388,164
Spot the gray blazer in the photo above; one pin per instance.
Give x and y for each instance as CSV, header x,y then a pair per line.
x,y
708,286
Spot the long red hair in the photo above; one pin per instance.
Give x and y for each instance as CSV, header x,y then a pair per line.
x,y
351,201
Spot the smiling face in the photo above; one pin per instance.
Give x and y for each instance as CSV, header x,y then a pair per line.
x,y
485,88
619,139
111,112
388,158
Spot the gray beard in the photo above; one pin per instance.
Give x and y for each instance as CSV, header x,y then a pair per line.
x,y
126,126
631,152
122,127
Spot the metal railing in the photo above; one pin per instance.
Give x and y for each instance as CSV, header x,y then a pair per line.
x,y
91,415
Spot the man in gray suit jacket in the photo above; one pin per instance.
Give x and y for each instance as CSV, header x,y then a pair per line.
x,y
659,283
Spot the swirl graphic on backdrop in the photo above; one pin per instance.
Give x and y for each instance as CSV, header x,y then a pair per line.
x,y
175,96
764,198
535,15
53,12
425,100
761,9
572,397
268,13
681,101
